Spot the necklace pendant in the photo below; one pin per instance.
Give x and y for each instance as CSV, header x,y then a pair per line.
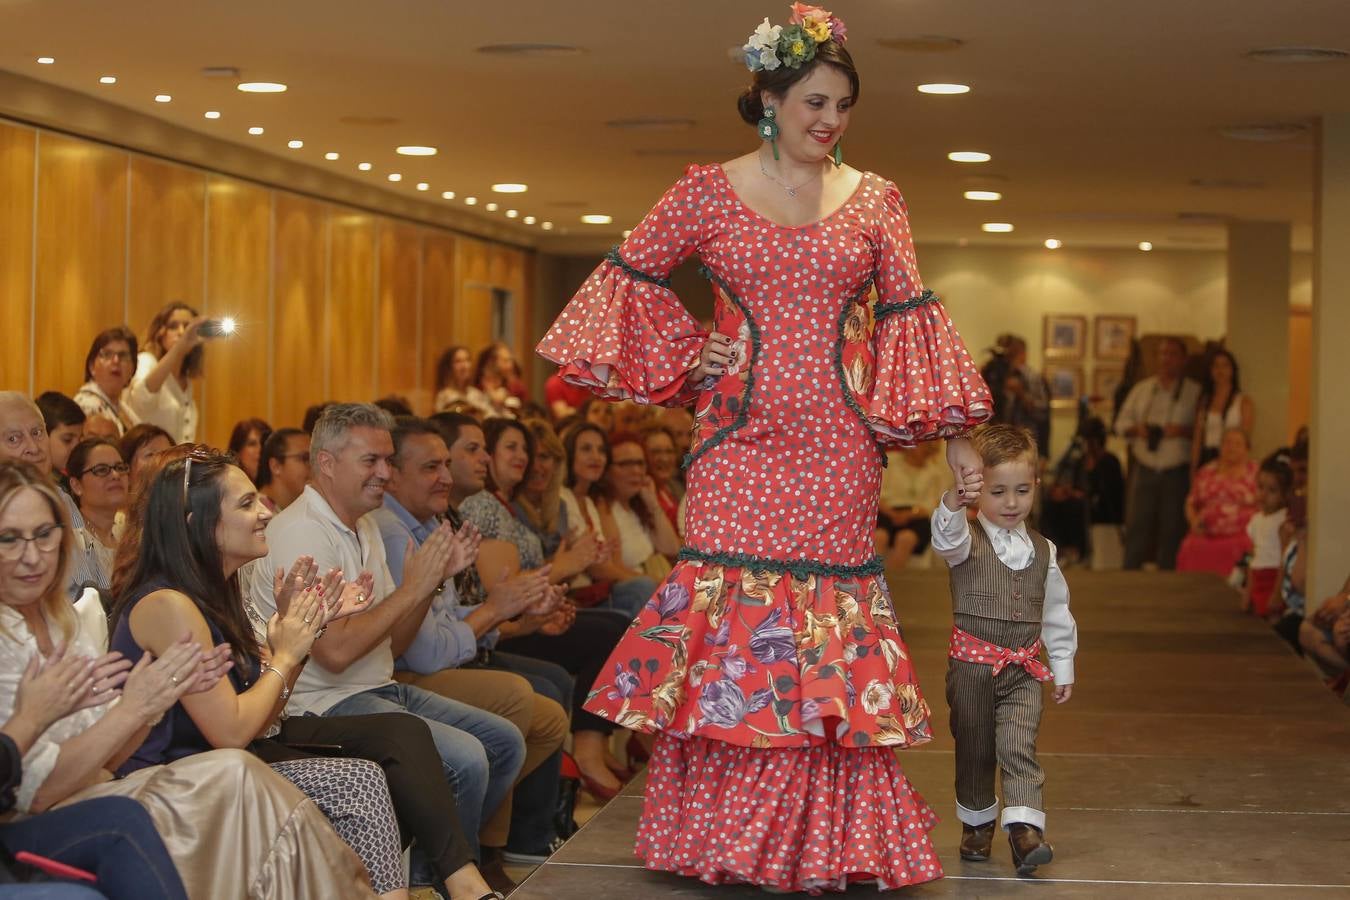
x,y
792,192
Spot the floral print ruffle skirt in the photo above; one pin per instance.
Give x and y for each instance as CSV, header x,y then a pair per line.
x,y
806,819
766,659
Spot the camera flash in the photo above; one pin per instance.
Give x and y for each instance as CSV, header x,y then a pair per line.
x,y
227,325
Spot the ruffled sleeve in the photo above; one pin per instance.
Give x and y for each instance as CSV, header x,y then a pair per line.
x,y
926,384
625,335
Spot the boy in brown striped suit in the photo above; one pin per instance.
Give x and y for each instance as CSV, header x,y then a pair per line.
x,y
1008,597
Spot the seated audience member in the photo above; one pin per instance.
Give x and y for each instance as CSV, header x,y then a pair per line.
x,y
911,485
108,368
630,417
1158,418
579,642
246,440
64,421
233,828
1088,488
142,444
599,413
453,636
638,533
283,468
1274,486
563,399
395,405
1323,635
312,414
663,464
454,384
351,670
23,438
1222,407
680,423
112,838
1221,503
98,480
492,376
538,500
171,359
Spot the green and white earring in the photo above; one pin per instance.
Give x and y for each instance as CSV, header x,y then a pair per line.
x,y
768,129
838,153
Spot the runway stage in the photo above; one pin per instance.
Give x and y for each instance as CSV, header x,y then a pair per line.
x,y
1199,758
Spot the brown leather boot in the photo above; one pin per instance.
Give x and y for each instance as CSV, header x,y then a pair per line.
x,y
1029,848
977,841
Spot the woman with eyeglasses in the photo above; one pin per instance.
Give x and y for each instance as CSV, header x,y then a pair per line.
x,y
97,478
108,368
283,468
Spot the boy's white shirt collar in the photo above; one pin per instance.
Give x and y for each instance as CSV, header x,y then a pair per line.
x,y
993,530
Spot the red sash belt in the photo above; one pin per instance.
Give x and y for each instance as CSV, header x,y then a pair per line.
x,y
968,648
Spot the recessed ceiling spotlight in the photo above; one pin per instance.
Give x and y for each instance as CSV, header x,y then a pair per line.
x,y
1053,243
982,195
1145,246
162,98
423,186
512,213
45,60
969,156
211,114
939,88
330,156
529,220
395,176
997,227
107,79
510,187
261,87
295,145
255,129
547,226
470,201
415,150
364,167
1265,132
530,49
597,219
491,207
1297,54
447,195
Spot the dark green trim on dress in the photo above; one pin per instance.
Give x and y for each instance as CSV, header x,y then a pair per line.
x,y
797,568
742,414
881,310
614,257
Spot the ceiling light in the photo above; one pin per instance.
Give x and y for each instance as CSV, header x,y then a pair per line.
x,y
45,60
996,227
414,150
627,233
470,201
162,98
423,186
529,220
547,226
1053,243
597,219
261,87
394,176
211,114
364,167
491,207
944,89
508,187
982,195
255,129
330,156
1297,54
295,145
968,156
108,79
511,213
1145,246
447,195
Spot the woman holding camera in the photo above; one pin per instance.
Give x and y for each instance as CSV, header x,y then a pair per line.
x,y
160,392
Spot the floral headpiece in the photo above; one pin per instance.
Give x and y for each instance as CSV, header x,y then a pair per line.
x,y
772,46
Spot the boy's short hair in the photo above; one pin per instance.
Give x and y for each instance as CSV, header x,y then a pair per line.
x,y
998,444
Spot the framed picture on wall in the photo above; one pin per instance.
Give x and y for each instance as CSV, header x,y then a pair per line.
x,y
1065,336
1105,380
1066,383
1111,336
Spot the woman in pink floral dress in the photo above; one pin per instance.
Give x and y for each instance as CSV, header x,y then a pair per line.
x,y
770,660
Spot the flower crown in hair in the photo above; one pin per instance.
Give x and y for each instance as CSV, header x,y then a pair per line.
x,y
772,46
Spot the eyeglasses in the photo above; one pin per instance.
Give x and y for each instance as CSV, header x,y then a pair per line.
x,y
114,355
13,544
103,470
303,457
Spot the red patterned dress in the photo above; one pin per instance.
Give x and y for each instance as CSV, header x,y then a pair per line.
x,y
770,658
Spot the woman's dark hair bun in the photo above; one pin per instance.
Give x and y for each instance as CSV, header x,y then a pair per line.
x,y
750,106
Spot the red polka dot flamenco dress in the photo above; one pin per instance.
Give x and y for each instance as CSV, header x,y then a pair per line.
x,y
770,659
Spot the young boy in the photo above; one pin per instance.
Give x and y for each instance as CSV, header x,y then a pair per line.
x,y
1008,597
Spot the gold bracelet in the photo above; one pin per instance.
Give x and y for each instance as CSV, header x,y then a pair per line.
x,y
285,684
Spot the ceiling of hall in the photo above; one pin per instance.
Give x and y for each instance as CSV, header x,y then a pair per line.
x,y
1103,117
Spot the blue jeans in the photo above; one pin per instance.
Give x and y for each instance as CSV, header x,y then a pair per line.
x,y
481,754
628,597
50,891
111,837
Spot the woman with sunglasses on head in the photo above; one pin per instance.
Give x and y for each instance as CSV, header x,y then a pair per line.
x,y
108,368
98,479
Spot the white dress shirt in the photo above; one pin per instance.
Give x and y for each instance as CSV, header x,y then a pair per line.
x,y
1059,632
310,527
1149,403
171,407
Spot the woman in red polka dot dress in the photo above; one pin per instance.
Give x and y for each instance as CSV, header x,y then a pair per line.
x,y
770,660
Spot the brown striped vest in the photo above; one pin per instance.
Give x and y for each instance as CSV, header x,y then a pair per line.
x,y
984,588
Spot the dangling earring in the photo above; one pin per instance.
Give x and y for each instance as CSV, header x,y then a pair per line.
x,y
838,153
768,129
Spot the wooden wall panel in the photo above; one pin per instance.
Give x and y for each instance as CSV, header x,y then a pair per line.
x,y
473,312
398,301
165,255
299,321
439,299
238,284
18,147
81,254
351,299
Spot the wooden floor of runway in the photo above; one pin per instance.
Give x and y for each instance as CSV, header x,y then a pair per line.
x,y
1199,758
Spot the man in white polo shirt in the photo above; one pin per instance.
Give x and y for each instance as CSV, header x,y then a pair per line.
x,y
351,667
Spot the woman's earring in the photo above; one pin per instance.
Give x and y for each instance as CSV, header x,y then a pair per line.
x,y
838,153
768,129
